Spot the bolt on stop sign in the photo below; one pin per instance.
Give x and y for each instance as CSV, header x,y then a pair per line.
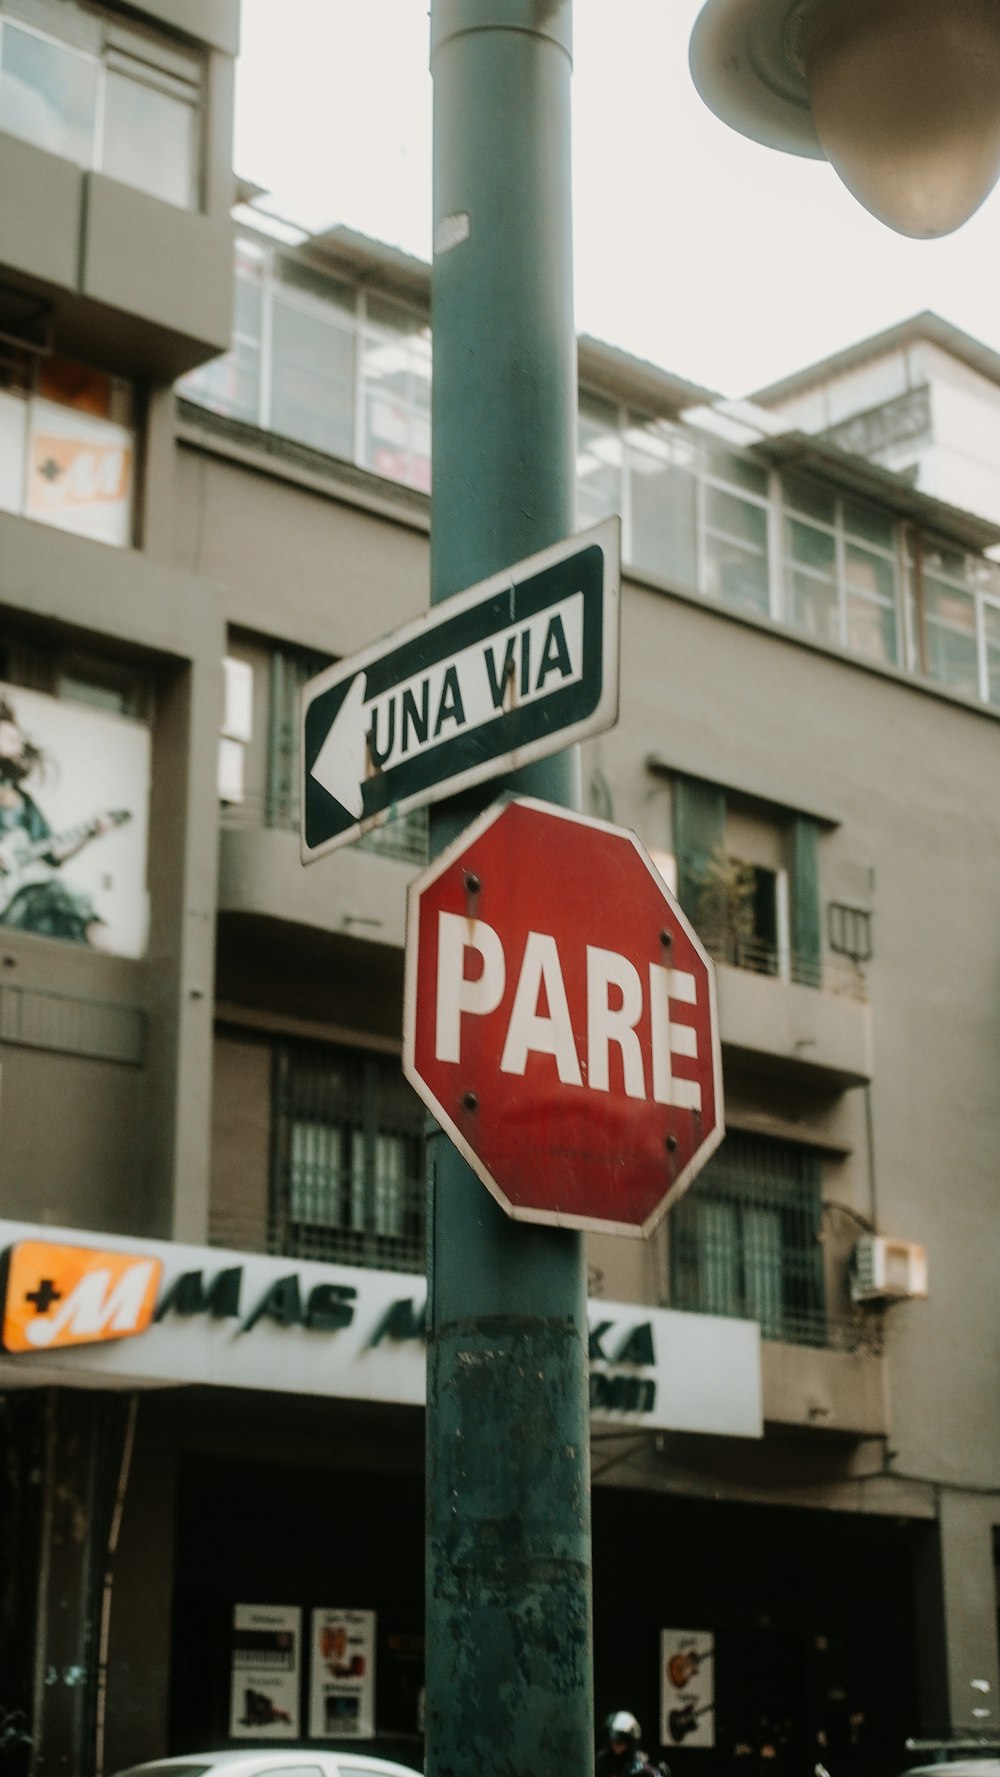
x,y
560,1019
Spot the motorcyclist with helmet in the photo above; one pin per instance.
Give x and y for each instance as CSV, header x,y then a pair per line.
x,y
621,1756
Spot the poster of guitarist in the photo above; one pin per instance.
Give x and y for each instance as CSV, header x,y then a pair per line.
x,y
42,890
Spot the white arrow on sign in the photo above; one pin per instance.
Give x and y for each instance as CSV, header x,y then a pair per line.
x,y
527,661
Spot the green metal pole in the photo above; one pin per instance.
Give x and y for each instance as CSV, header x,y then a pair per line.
x,y
509,1634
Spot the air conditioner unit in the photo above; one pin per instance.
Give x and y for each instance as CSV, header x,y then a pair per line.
x,y
887,1270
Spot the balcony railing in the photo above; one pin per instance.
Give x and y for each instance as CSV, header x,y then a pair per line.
x,y
832,973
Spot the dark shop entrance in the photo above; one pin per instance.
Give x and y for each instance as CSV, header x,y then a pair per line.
x,y
809,1614
809,1617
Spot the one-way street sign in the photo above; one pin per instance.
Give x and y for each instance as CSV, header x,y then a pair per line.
x,y
519,666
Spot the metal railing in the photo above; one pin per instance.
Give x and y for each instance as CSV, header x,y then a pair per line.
x,y
831,972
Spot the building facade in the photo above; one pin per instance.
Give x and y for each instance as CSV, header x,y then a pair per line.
x,y
211,1169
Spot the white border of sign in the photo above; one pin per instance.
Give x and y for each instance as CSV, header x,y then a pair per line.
x,y
417,888
607,535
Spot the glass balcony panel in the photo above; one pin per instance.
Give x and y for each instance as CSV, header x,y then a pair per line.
x,y
991,631
48,94
810,548
663,513
953,658
949,604
869,525
317,288
737,519
737,575
150,139
813,606
396,367
873,575
808,497
871,628
599,461
725,465
312,390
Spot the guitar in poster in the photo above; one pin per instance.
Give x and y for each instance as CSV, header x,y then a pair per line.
x,y
687,1688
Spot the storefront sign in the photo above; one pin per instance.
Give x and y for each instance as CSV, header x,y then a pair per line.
x,y
687,1688
240,1320
56,1296
342,1675
266,1666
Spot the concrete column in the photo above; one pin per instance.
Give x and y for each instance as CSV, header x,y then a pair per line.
x,y
970,1611
956,1617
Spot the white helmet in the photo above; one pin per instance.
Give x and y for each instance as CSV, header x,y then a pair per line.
x,y
623,1726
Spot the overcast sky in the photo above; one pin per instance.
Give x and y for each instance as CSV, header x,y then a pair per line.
x,y
724,262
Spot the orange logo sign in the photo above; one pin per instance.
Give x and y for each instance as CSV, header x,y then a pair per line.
x,y
75,473
57,1296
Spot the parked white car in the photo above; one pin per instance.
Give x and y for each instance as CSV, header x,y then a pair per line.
x,y
289,1761
957,1767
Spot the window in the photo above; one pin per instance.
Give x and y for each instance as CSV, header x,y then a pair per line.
x,y
598,461
945,589
745,1239
991,646
233,384
736,549
396,376
747,877
663,498
840,575
348,1175
405,836
345,370
326,364
291,669
67,447
236,729
312,367
104,93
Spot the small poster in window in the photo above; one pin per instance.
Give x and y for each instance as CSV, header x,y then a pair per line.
x,y
266,1664
342,1688
80,473
687,1688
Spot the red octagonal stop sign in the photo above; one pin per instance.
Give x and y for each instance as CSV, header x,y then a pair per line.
x,y
560,1019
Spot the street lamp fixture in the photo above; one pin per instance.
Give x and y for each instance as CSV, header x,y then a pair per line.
x,y
901,96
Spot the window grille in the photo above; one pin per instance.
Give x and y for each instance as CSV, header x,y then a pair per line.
x,y
291,669
850,931
406,837
745,1240
348,1167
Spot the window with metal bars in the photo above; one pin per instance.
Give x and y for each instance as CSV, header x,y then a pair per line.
x,y
347,1178
404,837
745,1239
